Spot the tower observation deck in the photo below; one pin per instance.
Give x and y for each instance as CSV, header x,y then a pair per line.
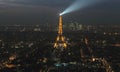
x,y
60,41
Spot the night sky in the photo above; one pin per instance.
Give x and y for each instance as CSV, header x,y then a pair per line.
x,y
47,11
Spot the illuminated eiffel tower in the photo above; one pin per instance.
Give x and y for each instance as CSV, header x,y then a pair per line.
x,y
60,41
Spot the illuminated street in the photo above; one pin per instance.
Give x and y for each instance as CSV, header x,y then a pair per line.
x,y
33,51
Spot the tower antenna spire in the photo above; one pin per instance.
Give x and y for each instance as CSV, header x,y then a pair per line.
x,y
60,30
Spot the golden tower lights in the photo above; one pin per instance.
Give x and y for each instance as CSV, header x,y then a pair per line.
x,y
60,41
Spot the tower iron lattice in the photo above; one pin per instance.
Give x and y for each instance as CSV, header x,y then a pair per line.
x,y
60,41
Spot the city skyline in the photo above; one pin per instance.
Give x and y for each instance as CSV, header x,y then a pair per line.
x,y
59,36
41,11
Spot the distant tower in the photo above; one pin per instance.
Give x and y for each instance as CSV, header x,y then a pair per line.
x,y
60,41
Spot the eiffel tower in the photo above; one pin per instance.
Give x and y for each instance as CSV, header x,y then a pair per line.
x,y
60,41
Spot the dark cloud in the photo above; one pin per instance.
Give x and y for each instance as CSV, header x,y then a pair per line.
x,y
44,11
35,2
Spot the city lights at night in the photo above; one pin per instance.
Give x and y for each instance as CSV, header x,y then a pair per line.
x,y
59,36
